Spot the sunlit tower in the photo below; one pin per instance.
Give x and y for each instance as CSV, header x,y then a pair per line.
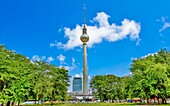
x,y
85,38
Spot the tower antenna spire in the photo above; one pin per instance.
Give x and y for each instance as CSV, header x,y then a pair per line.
x,y
84,8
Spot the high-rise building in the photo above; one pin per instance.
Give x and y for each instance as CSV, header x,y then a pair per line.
x,y
77,84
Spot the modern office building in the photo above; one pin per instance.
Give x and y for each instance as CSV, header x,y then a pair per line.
x,y
77,85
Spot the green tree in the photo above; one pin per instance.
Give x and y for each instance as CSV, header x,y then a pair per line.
x,y
151,75
108,87
14,69
22,79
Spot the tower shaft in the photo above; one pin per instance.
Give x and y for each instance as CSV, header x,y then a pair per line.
x,y
85,78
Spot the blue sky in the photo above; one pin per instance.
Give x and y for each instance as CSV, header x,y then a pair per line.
x,y
119,30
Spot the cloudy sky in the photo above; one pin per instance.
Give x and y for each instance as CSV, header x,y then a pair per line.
x,y
119,30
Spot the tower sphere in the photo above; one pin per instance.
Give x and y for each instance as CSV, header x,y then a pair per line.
x,y
84,37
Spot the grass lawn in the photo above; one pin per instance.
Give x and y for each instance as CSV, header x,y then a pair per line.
x,y
91,104
100,104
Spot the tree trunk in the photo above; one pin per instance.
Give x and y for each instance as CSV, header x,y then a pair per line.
x,y
35,99
154,99
42,98
52,98
8,103
52,101
18,103
2,104
38,101
13,103
162,100
147,100
158,100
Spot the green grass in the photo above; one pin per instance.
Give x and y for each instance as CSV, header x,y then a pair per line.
x,y
98,104
89,104
103,104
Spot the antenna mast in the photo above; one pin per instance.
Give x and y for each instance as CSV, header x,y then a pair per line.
x,y
84,8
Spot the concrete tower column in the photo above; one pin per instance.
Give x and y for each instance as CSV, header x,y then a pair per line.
x,y
84,38
85,73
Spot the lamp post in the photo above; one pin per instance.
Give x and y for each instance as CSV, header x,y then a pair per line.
x,y
85,38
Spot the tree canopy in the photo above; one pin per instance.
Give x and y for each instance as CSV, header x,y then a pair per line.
x,y
22,79
150,78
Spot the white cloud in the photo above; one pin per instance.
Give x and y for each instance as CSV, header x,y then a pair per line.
x,y
61,58
149,54
43,57
38,58
73,61
50,59
73,65
35,58
165,24
130,73
52,44
81,75
103,30
77,75
60,30
89,77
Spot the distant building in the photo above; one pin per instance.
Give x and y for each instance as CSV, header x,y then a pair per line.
x,y
77,85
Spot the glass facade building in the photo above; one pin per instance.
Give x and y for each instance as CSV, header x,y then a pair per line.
x,y
77,84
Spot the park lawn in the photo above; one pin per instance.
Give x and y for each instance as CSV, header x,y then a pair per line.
x,y
91,104
84,104
100,104
96,104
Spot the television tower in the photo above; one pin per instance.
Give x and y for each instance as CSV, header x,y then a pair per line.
x,y
85,38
